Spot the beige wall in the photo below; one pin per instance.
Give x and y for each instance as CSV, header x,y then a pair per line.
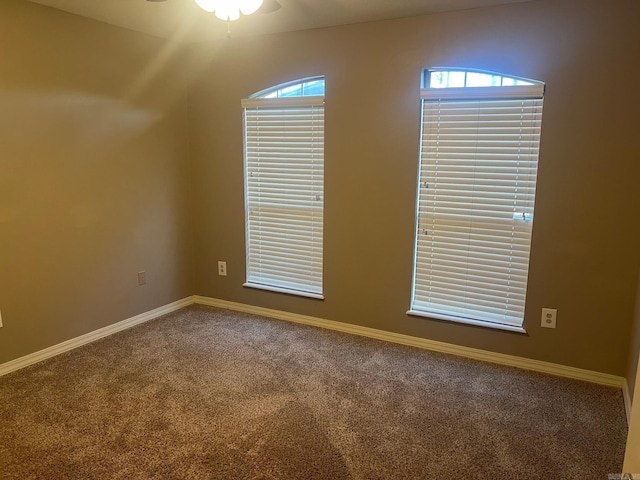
x,y
99,165
93,177
584,258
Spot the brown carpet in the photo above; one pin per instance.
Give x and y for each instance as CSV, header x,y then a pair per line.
x,y
204,393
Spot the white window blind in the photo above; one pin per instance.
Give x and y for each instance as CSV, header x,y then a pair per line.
x,y
477,181
284,193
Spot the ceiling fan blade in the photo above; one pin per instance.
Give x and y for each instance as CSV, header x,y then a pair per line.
x,y
269,6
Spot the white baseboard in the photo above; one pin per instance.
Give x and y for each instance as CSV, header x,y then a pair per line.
x,y
474,353
49,352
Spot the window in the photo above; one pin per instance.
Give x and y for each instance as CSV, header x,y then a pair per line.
x,y
475,203
284,187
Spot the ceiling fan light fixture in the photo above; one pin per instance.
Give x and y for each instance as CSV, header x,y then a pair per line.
x,y
229,10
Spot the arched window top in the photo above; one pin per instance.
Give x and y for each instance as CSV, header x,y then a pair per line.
x,y
468,78
304,87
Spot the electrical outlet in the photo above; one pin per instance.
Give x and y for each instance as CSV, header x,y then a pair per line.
x,y
142,278
222,268
549,316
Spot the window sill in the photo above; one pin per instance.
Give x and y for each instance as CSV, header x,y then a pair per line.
x,y
468,321
284,290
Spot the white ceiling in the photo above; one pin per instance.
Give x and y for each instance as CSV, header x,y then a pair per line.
x,y
183,20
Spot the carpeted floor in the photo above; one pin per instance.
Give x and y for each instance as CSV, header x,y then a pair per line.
x,y
204,393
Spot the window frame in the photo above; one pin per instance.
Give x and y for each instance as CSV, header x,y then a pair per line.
x,y
267,92
428,72
282,106
533,89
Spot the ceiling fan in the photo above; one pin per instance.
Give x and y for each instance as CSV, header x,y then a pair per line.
x,y
268,6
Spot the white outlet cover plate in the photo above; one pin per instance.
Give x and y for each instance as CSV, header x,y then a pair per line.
x,y
222,268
